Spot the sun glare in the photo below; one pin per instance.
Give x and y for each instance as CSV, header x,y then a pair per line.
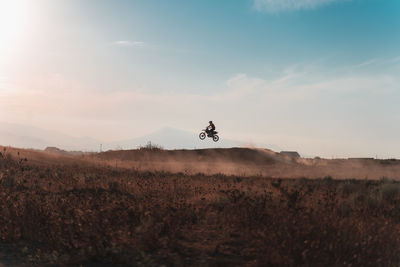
x,y
13,15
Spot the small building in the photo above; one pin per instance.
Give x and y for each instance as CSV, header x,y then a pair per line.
x,y
56,150
290,154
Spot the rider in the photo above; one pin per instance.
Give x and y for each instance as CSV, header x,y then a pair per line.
x,y
210,129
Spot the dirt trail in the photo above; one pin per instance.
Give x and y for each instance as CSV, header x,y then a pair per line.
x,y
244,162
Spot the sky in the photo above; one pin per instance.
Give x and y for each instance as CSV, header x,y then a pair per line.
x,y
317,76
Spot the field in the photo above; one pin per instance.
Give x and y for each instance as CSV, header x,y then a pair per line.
x,y
135,208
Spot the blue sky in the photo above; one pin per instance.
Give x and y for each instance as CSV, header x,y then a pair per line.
x,y
187,40
318,76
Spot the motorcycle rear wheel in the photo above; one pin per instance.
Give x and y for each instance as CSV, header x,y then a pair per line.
x,y
215,138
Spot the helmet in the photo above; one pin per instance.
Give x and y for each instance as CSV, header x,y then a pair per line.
x,y
210,122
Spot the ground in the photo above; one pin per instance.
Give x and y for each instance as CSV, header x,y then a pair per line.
x,y
123,208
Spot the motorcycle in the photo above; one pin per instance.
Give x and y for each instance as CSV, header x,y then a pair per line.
x,y
205,133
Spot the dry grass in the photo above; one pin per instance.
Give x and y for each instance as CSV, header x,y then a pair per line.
x,y
75,212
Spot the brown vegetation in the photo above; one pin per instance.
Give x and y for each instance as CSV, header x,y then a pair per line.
x,y
70,211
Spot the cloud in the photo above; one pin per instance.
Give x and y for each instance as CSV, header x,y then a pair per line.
x,y
5,84
394,60
276,6
129,43
302,103
59,96
365,63
2,81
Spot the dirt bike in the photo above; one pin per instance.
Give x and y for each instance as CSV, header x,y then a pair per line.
x,y
213,135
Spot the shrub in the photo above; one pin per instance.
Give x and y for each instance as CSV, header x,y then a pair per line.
x,y
151,146
389,190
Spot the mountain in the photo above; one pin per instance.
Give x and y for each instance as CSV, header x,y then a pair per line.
x,y
24,136
171,138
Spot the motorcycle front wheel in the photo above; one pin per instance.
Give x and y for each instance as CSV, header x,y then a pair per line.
x,y
215,138
202,135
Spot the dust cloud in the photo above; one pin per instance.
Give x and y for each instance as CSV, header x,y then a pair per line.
x,y
249,162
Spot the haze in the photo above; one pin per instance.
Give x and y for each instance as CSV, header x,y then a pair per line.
x,y
317,76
